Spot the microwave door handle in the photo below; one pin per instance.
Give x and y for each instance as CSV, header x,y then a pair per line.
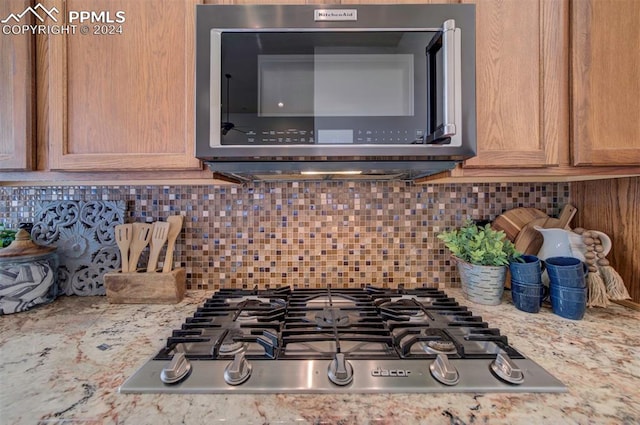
x,y
215,117
448,41
451,80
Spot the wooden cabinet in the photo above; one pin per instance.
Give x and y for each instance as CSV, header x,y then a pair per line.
x,y
611,206
17,139
522,83
113,102
605,58
120,101
548,109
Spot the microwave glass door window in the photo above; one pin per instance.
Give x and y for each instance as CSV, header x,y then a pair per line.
x,y
321,86
325,85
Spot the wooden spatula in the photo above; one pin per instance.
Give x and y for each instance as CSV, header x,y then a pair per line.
x,y
141,237
174,230
124,235
158,238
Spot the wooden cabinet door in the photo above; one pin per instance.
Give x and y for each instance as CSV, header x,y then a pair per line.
x,y
605,82
17,139
121,101
522,82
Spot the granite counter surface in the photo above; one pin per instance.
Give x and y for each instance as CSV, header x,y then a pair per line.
x,y
63,363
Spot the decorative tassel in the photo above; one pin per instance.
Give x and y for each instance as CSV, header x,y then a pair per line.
x,y
597,291
613,281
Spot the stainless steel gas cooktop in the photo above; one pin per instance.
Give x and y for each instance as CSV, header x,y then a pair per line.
x,y
329,340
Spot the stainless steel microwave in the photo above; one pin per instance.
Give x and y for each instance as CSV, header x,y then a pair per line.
x,y
289,88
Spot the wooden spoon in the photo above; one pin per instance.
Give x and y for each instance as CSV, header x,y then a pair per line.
x,y
124,234
141,237
174,231
158,238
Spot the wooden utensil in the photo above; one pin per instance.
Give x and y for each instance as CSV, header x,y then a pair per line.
x,y
158,238
174,230
512,221
141,237
566,215
124,234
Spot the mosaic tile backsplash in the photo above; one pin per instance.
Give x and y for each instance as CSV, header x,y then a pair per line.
x,y
308,234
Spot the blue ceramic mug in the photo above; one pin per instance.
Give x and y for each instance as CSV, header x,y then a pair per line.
x,y
529,270
570,303
566,271
527,297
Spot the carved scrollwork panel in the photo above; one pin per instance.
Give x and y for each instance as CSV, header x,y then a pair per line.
x,y
84,233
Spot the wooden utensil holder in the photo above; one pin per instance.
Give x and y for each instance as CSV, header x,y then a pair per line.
x,y
145,288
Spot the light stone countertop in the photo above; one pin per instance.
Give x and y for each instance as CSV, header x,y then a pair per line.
x,y
63,363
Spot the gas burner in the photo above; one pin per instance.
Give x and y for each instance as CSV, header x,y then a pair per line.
x,y
439,347
405,301
397,302
416,316
249,302
404,309
231,347
246,316
248,307
330,317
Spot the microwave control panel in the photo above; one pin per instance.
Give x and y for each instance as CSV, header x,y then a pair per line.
x,y
328,137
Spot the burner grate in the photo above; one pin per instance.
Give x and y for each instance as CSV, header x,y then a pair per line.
x,y
337,340
373,323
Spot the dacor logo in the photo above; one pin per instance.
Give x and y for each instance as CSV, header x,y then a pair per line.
x,y
390,372
39,11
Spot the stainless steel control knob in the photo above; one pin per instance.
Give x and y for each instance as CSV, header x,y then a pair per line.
x,y
504,368
340,371
177,370
443,371
238,371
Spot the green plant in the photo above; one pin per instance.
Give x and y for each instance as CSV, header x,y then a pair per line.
x,y
480,245
6,236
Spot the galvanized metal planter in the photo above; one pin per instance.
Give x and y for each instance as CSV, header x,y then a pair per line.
x,y
482,284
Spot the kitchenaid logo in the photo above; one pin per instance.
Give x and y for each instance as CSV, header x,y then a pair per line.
x,y
101,22
335,15
390,372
